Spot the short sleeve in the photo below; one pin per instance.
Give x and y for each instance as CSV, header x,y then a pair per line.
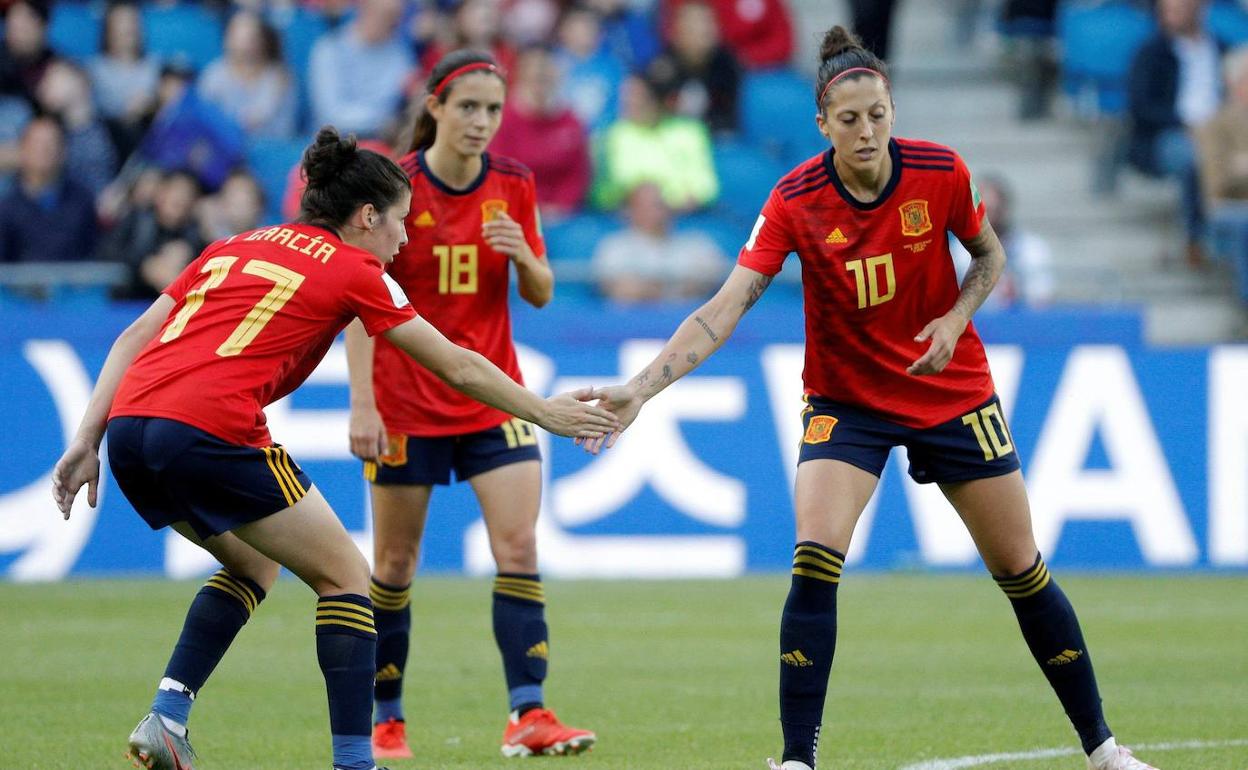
x,y
530,220
378,300
966,209
190,275
771,240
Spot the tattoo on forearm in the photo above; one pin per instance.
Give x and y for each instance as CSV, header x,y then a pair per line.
x,y
666,377
692,357
706,328
757,288
981,276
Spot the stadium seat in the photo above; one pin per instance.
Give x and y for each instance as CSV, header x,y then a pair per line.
x,y
746,176
270,161
573,239
182,32
74,29
767,94
1228,21
1098,40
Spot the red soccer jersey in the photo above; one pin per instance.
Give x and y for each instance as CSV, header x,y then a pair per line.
x,y
460,285
874,274
255,314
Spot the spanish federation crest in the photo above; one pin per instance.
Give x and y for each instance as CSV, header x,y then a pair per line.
x,y
491,208
914,218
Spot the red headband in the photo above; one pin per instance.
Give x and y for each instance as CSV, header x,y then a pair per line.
x,y
473,67
849,71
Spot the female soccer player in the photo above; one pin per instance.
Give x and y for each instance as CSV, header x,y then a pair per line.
x,y
473,217
181,397
891,360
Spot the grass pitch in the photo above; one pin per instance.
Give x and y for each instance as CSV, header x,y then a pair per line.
x,y
669,674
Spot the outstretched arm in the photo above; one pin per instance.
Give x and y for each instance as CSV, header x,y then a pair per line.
x,y
697,337
80,464
475,376
987,262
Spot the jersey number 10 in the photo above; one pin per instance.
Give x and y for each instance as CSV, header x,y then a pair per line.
x,y
867,273
285,283
457,268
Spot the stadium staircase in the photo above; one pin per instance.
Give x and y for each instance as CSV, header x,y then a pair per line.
x,y
1107,248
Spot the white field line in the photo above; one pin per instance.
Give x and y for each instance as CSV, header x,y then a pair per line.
x,y
980,760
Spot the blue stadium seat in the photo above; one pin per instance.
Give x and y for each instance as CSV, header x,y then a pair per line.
x,y
182,32
270,161
573,238
728,234
74,29
1228,21
1098,40
777,113
746,176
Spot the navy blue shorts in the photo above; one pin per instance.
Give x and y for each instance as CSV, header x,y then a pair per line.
x,y
428,460
976,445
170,472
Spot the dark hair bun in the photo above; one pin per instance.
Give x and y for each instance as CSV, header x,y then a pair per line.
x,y
328,156
837,41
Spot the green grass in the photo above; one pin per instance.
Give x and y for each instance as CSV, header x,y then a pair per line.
x,y
670,674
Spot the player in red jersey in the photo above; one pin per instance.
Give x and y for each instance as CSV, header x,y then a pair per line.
x,y
474,216
891,360
181,396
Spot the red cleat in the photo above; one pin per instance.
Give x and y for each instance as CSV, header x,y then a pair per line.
x,y
539,731
390,740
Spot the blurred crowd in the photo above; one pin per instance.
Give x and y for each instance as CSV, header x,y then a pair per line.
x,y
144,139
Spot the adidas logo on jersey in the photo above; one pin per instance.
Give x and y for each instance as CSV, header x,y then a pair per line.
x,y
836,236
424,220
539,650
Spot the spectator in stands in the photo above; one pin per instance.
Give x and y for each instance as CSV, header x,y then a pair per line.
x,y
26,54
1223,146
358,71
47,216
1030,31
237,207
758,32
627,33
544,134
529,22
591,73
701,76
648,145
189,133
475,24
124,77
158,241
90,158
1028,279
1174,86
873,22
250,82
647,262
15,112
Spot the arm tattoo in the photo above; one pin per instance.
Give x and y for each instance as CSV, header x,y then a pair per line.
x,y
757,287
981,276
706,328
666,377
692,357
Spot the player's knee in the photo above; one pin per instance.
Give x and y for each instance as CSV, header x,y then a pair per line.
x,y
348,574
516,550
396,563
264,573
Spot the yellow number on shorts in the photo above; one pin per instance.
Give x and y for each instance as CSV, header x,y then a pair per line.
x,y
518,433
867,278
285,283
457,269
990,431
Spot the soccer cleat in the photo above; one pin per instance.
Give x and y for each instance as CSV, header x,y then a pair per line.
x,y
539,731
792,764
155,747
1110,756
390,740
